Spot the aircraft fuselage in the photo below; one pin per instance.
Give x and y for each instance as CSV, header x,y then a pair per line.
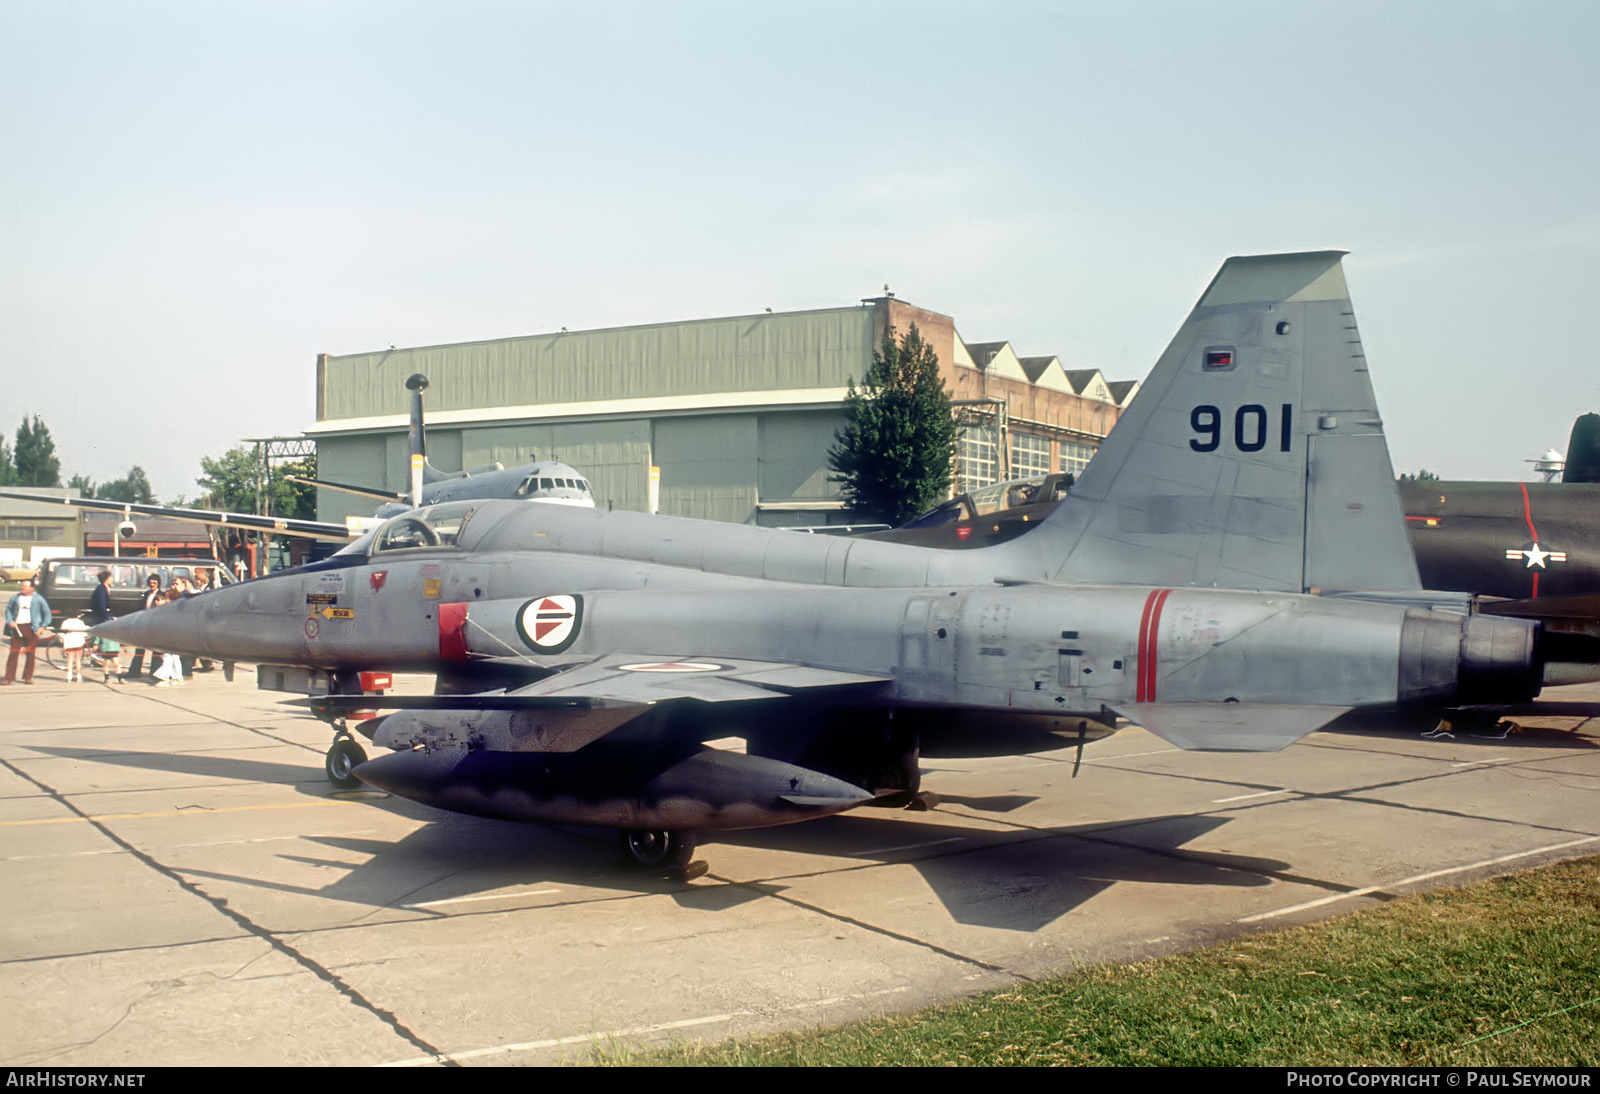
x,y
1033,646
1523,541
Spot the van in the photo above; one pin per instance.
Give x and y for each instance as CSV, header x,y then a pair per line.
x,y
68,583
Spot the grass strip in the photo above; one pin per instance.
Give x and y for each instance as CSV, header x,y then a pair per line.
x,y
1501,973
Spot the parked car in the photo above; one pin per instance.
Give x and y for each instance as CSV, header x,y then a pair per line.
x,y
16,571
68,583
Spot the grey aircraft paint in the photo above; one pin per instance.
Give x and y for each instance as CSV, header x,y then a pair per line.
x,y
584,656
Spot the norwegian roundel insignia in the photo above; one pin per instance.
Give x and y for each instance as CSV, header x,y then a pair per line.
x,y
549,624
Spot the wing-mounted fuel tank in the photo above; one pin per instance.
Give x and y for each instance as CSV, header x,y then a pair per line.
x,y
625,785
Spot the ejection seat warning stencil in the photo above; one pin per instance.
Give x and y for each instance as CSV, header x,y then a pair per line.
x,y
549,624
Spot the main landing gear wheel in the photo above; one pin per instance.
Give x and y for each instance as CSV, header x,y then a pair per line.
x,y
344,756
660,851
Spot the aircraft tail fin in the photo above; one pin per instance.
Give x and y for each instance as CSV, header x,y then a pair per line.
x,y
1583,450
1253,457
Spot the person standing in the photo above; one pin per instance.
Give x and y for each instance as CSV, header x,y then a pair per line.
x,y
74,633
100,612
26,613
152,589
170,672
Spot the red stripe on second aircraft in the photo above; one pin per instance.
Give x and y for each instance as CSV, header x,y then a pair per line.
x,y
1527,511
1149,638
1527,515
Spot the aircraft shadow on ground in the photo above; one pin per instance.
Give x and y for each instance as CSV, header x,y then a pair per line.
x,y
209,765
982,879
1482,728
1014,879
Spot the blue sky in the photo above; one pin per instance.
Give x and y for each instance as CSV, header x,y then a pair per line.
x,y
198,198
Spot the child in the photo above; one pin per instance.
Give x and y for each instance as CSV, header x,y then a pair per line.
x,y
170,674
74,632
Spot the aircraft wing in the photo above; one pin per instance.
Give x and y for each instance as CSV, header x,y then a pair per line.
x,y
635,680
578,706
629,678
284,526
1229,727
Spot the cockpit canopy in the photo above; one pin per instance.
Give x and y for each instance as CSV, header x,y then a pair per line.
x,y
433,527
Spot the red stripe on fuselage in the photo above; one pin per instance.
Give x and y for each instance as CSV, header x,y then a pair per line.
x,y
1149,638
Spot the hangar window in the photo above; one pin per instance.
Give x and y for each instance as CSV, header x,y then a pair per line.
x,y
977,458
1074,457
1030,455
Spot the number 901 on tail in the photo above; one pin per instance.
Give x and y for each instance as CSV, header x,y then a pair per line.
x,y
1253,428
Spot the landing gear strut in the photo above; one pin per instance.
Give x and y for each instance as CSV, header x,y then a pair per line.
x,y
343,757
345,754
657,851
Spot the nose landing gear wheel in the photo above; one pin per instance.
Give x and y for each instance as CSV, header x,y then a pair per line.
x,y
657,851
344,756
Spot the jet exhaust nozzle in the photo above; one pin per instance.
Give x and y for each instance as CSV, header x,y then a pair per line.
x,y
1469,659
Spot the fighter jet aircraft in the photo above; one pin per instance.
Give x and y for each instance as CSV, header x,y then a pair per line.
x,y
544,481
585,657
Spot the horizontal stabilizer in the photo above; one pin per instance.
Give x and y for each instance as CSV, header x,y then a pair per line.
x,y
1229,727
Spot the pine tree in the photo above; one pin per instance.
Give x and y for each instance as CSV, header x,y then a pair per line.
x,y
894,456
34,455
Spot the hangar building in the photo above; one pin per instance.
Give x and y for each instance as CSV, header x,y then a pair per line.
x,y
738,413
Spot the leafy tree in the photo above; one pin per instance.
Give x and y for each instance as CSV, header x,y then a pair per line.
x,y
8,470
83,484
1420,476
304,503
229,482
134,488
34,455
894,456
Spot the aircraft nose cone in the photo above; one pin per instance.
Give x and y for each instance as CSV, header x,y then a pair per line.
x,y
169,628
118,630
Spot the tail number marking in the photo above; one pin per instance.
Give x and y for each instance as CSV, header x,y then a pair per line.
x,y
1252,428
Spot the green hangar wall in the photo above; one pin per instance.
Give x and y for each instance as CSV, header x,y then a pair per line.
x,y
738,412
